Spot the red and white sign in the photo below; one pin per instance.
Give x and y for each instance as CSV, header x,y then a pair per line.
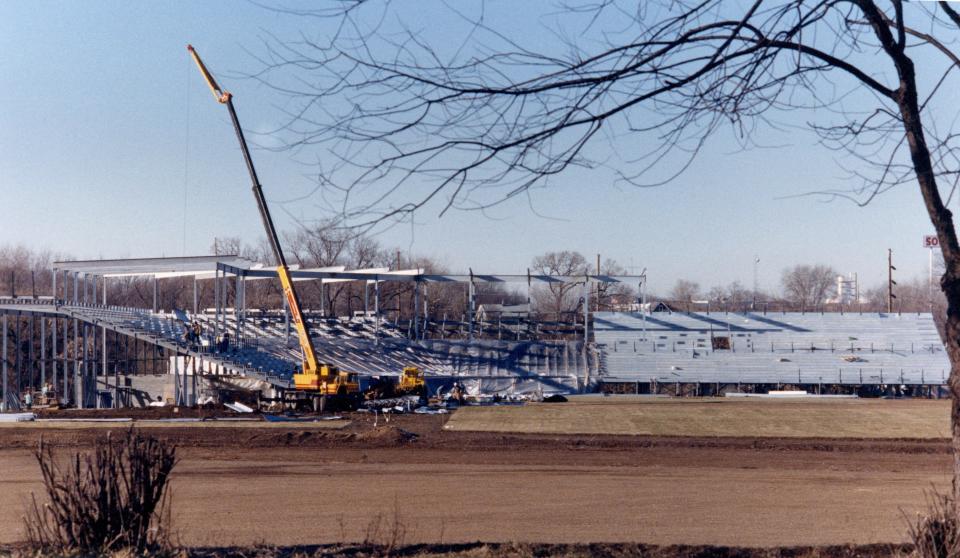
x,y
930,241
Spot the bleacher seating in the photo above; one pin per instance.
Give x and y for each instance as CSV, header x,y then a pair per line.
x,y
770,348
263,346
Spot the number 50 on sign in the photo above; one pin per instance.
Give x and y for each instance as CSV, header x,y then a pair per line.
x,y
930,241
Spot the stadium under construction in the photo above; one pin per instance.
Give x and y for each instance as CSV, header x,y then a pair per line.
x,y
75,348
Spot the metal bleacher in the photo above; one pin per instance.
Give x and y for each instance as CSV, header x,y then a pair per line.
x,y
770,348
263,348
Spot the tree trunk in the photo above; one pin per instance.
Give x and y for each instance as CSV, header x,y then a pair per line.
x,y
942,220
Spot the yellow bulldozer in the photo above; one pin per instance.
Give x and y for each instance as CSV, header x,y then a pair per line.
x,y
410,382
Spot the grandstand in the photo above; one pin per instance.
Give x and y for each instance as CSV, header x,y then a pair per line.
x,y
88,341
790,348
82,349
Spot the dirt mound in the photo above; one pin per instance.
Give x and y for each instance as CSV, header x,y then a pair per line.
x,y
386,436
147,413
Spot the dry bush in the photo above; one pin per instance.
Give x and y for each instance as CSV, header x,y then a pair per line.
x,y
106,500
936,534
386,533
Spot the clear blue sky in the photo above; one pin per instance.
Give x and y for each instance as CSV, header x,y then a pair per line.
x,y
106,130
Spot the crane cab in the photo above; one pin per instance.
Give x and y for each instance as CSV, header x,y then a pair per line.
x,y
327,380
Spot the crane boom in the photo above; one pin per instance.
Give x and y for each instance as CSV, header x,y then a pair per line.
x,y
310,368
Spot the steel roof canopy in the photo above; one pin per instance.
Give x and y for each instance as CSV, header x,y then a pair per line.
x,y
205,267
152,266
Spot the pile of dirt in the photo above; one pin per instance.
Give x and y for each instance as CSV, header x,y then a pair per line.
x,y
385,436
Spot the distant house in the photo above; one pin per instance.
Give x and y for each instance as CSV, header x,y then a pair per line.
x,y
637,307
493,312
658,306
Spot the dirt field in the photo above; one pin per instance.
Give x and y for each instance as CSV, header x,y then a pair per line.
x,y
300,485
802,418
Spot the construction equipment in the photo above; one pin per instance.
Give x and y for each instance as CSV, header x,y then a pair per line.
x,y
409,383
313,381
412,382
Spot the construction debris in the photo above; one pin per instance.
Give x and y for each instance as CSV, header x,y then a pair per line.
x,y
285,418
430,411
396,404
17,417
238,407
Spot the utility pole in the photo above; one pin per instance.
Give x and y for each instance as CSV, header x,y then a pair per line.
x,y
930,282
890,281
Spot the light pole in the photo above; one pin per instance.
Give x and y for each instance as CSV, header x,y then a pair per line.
x,y
643,301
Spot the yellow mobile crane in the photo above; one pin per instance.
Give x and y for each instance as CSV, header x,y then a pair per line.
x,y
314,380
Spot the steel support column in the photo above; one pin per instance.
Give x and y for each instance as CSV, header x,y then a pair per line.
x,y
376,311
4,367
416,310
31,354
65,394
53,353
586,314
216,303
177,396
43,351
18,370
236,311
185,392
470,306
104,370
77,386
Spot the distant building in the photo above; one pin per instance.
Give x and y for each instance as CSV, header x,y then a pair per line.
x,y
647,307
848,290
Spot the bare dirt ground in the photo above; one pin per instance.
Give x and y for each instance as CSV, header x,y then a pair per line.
x,y
740,417
241,485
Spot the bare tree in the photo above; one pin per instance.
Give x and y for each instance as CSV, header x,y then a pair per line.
x,y
731,297
685,291
808,286
610,295
25,272
912,295
558,298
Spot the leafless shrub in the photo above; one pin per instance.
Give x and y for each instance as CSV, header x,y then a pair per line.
x,y
386,533
936,533
110,499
